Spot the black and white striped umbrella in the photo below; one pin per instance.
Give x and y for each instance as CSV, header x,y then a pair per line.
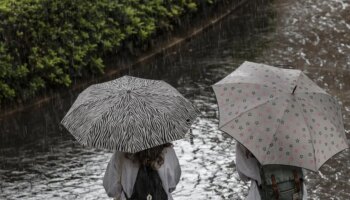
x,y
129,114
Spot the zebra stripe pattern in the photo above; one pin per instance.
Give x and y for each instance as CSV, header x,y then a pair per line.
x,y
129,114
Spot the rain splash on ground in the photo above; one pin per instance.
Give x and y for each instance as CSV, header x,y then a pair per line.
x,y
39,160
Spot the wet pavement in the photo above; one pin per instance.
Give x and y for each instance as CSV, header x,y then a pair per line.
x,y
40,160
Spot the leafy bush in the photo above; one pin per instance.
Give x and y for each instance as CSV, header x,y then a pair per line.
x,y
46,43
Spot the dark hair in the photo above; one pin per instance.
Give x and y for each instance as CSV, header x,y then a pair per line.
x,y
152,157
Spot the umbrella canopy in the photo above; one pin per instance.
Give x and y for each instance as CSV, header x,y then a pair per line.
x,y
129,114
280,115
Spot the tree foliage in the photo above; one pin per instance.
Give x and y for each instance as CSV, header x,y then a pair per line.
x,y
47,43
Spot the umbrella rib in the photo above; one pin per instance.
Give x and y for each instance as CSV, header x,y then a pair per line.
x,y
279,124
338,152
281,69
310,134
296,92
67,125
250,110
316,108
296,84
243,82
86,104
240,82
88,132
320,93
97,121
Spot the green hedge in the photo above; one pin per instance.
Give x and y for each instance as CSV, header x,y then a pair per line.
x,y
46,43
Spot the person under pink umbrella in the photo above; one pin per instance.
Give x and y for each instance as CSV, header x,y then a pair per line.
x,y
248,169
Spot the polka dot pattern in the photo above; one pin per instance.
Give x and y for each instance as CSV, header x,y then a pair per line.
x,y
257,107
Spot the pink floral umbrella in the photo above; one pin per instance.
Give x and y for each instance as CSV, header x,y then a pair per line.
x,y
280,115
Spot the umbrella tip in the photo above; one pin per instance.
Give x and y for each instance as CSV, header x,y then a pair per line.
x,y
294,89
128,91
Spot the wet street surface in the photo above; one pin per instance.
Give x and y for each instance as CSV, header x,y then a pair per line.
x,y
40,160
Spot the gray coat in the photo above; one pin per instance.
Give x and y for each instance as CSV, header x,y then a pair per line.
x,y
121,174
